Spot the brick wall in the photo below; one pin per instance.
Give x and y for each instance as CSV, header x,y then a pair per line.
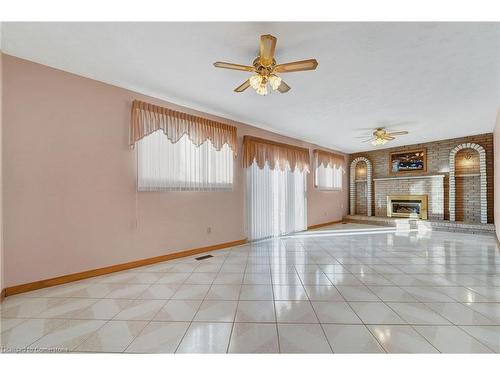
x,y
438,163
361,205
467,202
432,187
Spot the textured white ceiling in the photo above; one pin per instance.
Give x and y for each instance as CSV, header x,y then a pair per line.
x,y
437,80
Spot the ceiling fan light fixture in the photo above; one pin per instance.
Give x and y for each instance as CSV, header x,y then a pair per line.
x,y
274,81
379,141
262,89
256,81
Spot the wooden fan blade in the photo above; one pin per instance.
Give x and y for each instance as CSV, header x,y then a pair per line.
x,y
283,87
388,137
267,48
296,66
243,86
403,132
226,65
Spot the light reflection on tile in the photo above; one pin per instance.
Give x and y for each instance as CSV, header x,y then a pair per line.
x,y
206,338
401,339
445,287
450,339
254,338
351,339
302,338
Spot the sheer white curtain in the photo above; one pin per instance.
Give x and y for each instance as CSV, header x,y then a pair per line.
x,y
328,178
163,165
277,202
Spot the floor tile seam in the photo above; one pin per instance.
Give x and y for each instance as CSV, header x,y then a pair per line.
x,y
60,325
26,319
475,339
234,315
363,323
276,316
317,318
467,307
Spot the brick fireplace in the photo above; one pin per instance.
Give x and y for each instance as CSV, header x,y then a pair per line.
x,y
458,180
430,186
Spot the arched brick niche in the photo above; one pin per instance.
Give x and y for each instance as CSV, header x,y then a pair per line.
x,y
482,179
352,185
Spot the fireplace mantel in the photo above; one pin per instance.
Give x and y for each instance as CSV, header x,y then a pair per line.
x,y
409,177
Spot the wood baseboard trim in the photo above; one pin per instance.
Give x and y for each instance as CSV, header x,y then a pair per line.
x,y
2,295
323,224
16,289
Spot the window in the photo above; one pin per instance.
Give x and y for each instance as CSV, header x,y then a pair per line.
x,y
328,178
179,151
328,170
182,166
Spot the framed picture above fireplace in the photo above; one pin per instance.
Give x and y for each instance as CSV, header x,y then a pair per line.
x,y
412,161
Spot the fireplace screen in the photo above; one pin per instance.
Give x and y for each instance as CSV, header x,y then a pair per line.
x,y
410,206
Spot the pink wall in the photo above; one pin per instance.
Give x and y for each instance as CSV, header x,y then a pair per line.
x,y
69,182
1,194
496,173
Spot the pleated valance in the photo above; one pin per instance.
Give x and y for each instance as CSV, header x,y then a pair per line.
x,y
148,118
326,159
275,154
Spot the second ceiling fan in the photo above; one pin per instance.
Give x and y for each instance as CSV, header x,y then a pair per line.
x,y
266,69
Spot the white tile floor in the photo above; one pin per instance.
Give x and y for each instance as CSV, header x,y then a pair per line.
x,y
345,289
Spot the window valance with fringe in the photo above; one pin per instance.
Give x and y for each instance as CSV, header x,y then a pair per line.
x,y
276,154
147,118
328,159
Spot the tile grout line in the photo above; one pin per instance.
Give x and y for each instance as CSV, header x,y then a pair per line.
x,y
316,315
151,320
236,310
197,310
364,324
166,302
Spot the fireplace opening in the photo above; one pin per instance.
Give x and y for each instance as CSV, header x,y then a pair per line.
x,y
407,206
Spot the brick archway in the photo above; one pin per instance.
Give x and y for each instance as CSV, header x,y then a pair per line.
x,y
482,171
352,185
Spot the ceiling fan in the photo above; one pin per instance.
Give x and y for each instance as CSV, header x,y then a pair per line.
x,y
266,69
381,136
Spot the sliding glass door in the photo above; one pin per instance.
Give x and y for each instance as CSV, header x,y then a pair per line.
x,y
277,202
